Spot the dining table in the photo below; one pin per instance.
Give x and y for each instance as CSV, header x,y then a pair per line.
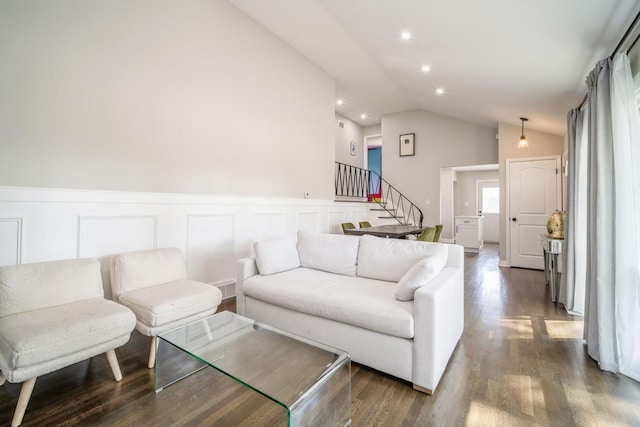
x,y
389,231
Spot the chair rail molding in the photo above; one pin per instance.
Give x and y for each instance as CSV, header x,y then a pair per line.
x,y
10,240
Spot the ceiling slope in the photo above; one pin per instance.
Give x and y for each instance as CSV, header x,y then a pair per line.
x,y
497,60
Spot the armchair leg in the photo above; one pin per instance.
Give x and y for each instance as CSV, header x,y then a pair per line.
x,y
207,329
152,352
113,362
23,401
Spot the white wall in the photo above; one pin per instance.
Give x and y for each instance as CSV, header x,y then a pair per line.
x,y
540,144
351,132
161,96
372,130
448,178
212,231
440,142
467,190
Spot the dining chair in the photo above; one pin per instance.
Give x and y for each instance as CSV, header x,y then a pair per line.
x,y
348,226
438,232
427,234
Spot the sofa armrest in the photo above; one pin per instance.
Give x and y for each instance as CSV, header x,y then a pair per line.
x,y
245,268
439,321
455,258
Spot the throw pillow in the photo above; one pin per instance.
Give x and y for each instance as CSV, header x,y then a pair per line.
x,y
419,275
276,255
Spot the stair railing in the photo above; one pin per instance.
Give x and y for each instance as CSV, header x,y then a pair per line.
x,y
352,181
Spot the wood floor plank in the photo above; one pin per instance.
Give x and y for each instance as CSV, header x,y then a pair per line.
x,y
521,362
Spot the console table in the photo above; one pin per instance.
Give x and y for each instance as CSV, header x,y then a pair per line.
x,y
551,248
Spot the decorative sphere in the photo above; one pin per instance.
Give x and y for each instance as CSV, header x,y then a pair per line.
x,y
555,225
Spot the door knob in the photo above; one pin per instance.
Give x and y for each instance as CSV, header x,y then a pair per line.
x,y
514,219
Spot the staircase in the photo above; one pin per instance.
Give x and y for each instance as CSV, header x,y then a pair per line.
x,y
354,183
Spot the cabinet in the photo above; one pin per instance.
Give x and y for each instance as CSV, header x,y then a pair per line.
x,y
468,232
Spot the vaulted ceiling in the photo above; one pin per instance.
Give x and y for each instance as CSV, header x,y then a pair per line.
x,y
496,60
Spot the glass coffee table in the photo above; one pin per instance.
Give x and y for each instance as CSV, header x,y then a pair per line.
x,y
308,381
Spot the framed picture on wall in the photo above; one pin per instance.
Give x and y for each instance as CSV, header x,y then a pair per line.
x,y
353,148
407,144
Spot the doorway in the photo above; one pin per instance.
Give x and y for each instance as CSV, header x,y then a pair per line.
x,y
533,194
488,206
374,164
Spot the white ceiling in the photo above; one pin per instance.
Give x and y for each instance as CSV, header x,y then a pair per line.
x,y
498,60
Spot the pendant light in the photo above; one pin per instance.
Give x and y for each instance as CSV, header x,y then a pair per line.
x,y
523,140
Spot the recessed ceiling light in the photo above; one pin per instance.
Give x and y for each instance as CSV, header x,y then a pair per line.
x,y
425,68
363,116
440,91
340,101
405,35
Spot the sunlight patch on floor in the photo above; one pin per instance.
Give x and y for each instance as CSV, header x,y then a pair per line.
x,y
491,279
481,414
587,413
527,392
564,329
517,328
516,397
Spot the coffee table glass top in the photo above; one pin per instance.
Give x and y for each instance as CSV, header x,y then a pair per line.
x,y
285,368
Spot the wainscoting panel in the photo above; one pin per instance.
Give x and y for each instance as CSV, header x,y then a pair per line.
x,y
358,215
269,225
10,241
309,221
213,231
108,235
336,218
102,236
211,254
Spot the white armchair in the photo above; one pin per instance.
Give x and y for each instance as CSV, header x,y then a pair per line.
x,y
154,285
52,315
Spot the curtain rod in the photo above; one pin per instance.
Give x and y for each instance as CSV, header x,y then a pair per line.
x,y
634,27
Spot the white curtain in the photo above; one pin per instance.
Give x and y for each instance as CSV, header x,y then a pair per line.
x,y
626,159
572,288
612,274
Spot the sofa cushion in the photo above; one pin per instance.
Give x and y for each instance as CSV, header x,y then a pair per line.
x,y
162,304
390,259
31,338
328,252
276,255
419,275
366,303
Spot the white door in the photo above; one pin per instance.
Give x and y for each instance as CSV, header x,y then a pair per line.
x,y
489,207
534,194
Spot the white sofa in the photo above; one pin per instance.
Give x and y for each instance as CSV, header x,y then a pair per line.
x,y
395,305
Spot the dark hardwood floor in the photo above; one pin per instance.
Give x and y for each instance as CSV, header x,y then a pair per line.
x,y
521,361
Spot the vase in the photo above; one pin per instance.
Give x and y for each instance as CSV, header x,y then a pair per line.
x,y
555,225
